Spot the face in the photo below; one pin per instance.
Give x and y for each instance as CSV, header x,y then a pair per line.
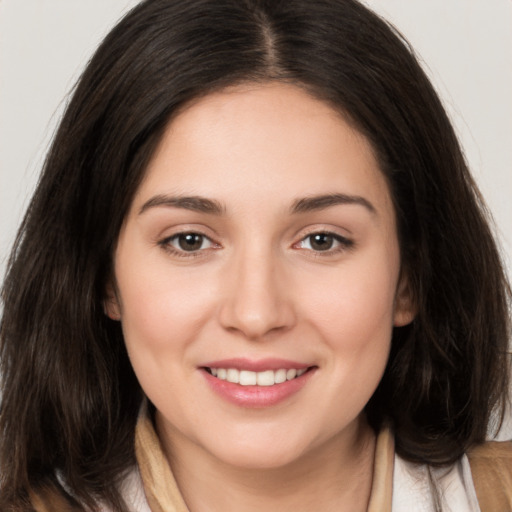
x,y
257,277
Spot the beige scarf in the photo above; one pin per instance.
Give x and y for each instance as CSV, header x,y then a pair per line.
x,y
162,490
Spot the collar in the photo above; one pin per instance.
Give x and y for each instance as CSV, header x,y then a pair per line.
x,y
163,494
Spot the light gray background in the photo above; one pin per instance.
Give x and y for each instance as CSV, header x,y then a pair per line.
x,y
466,47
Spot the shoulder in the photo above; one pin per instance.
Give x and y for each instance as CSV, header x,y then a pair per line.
x,y
480,481
415,487
499,452
51,499
491,466
132,491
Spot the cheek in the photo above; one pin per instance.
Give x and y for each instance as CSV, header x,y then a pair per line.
x,y
162,307
161,316
357,302
355,324
353,312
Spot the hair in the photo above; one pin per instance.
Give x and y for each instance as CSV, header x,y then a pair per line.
x,y
69,395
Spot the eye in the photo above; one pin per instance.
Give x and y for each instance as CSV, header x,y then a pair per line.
x,y
323,242
188,242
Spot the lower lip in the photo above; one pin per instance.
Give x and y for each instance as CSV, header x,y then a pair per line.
x,y
257,396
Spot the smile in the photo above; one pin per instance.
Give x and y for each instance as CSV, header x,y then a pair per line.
x,y
262,378
257,384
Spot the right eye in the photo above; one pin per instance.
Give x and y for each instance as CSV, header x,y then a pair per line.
x,y
189,242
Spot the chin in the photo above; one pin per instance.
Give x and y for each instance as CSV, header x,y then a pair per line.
x,y
261,452
259,458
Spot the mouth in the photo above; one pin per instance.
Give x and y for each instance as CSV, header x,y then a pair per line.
x,y
265,378
257,383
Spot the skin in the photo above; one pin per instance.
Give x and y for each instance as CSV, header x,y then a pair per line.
x,y
258,288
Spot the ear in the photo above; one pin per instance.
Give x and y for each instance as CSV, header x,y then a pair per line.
x,y
405,303
111,305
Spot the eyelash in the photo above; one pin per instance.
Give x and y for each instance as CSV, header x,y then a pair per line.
x,y
166,244
343,244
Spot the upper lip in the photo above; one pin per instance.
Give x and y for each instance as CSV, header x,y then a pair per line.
x,y
258,365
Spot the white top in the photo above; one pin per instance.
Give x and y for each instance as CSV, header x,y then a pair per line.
x,y
411,488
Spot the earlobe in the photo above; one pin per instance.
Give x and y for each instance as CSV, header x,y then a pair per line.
x,y
405,304
111,303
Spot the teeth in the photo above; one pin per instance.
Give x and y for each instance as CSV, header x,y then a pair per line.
x,y
232,375
248,378
265,378
291,374
280,376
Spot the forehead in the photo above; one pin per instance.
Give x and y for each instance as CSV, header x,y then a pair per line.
x,y
271,140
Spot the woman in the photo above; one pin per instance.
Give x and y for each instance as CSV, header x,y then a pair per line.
x,y
255,267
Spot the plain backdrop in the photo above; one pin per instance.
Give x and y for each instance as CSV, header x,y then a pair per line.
x,y
465,47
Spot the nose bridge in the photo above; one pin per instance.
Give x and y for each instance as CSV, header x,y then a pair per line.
x,y
256,302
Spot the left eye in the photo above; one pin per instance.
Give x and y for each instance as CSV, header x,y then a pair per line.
x,y
321,242
189,242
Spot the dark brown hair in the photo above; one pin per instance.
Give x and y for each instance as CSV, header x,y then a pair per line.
x,y
69,395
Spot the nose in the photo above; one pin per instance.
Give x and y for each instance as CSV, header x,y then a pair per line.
x,y
257,299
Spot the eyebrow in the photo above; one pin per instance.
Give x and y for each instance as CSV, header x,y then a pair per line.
x,y
210,206
194,203
313,203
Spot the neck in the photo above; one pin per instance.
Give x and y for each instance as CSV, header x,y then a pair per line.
x,y
336,475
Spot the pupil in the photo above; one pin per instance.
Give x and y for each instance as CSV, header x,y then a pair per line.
x,y
321,242
190,241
